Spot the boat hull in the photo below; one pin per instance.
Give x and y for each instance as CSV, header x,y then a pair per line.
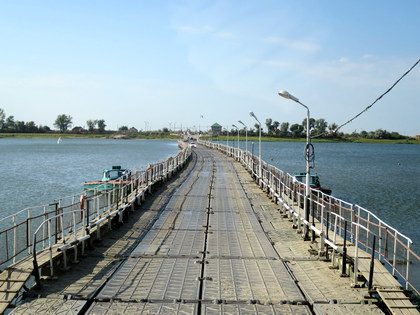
x,y
103,186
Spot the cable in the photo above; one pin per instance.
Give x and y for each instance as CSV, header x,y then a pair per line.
x,y
350,120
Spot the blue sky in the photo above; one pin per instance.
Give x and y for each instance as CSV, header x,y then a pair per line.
x,y
192,63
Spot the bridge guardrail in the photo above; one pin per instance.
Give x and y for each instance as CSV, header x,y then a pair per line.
x,y
360,225
17,230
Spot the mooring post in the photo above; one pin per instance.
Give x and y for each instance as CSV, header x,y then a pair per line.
x,y
372,264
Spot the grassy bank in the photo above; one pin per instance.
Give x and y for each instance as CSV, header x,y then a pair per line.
x,y
331,140
152,136
85,136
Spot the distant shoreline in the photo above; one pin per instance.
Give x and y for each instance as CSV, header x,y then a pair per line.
x,y
154,136
85,136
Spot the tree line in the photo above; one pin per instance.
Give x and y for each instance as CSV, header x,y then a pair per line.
x,y
319,128
63,123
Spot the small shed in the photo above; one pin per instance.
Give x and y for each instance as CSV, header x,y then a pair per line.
x,y
216,129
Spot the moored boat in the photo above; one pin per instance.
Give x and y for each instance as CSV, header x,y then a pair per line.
x,y
314,182
110,178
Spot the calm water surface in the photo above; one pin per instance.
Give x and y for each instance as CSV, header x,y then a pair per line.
x,y
37,171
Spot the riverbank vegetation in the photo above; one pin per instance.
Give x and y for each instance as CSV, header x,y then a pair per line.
x,y
173,136
321,131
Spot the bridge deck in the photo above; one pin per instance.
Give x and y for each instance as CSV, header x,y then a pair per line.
x,y
209,243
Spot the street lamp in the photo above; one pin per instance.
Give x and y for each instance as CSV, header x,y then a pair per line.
x,y
259,145
227,137
238,139
287,95
246,139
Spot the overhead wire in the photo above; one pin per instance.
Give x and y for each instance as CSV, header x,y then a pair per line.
x,y
368,107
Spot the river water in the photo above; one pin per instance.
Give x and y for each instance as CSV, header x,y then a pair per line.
x,y
34,172
383,178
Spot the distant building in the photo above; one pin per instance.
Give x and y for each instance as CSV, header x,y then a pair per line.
x,y
77,130
133,130
216,129
417,137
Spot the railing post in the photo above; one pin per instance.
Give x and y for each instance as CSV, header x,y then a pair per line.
x,y
57,221
43,228
352,220
299,224
75,237
343,270
50,248
380,242
311,205
87,211
395,253
29,231
372,264
356,253
326,236
62,229
98,206
35,264
407,271
334,237
14,238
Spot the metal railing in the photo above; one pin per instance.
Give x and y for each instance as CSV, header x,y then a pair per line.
x,y
50,223
359,225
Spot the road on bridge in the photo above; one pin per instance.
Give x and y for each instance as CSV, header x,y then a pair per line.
x,y
209,241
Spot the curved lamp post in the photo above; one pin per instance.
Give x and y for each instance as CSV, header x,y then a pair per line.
x,y
246,140
287,95
259,143
238,140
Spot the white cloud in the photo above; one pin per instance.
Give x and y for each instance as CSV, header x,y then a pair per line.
x,y
194,30
224,34
299,45
205,30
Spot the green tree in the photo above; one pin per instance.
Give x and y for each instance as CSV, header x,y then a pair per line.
x,y
44,128
363,134
396,135
269,124
63,122
19,126
91,125
31,127
332,128
284,129
101,125
311,124
275,125
381,134
296,130
320,126
257,128
123,128
10,123
2,117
